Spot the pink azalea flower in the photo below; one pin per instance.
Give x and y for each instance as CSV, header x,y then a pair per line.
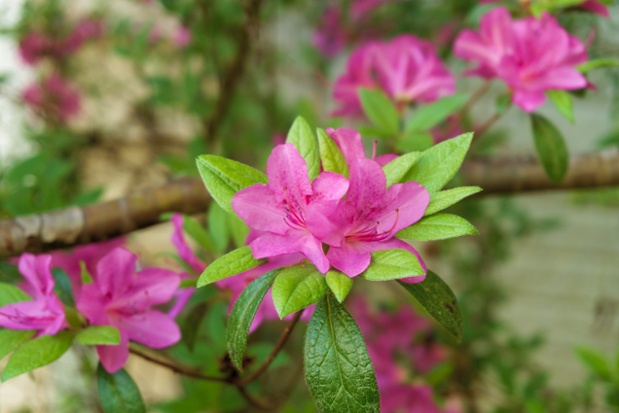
x,y
85,30
54,95
406,68
371,214
45,313
122,297
330,37
33,46
278,210
360,8
595,7
530,55
181,37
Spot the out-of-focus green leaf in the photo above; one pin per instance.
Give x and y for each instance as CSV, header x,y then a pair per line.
x,y
550,146
118,392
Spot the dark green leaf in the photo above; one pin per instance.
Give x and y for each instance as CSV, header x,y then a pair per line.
x,y
428,116
297,287
437,165
96,335
439,301
10,294
224,177
302,137
563,102
233,263
339,283
444,199
37,353
11,339
243,314
550,146
330,155
438,227
380,110
118,392
62,287
338,370
392,264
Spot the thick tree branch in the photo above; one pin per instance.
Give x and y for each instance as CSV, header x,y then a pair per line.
x,y
75,226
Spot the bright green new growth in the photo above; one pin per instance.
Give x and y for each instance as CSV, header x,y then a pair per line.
x,y
233,263
297,287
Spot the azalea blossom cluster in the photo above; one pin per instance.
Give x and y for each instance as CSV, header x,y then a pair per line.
x,y
331,221
531,55
406,68
119,295
400,357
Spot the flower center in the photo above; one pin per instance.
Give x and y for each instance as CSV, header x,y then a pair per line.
x,y
369,232
295,217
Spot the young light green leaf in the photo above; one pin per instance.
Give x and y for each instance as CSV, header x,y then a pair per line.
x,y
242,316
37,353
338,369
399,167
238,229
217,221
10,294
437,227
118,392
11,339
339,283
551,147
301,136
597,64
297,287
330,155
563,102
437,165
595,361
444,199
392,264
233,263
224,177
98,335
196,231
414,141
380,110
428,116
439,301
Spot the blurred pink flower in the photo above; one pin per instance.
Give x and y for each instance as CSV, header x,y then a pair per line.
x,y
530,55
406,68
330,38
45,313
53,96
33,46
595,7
122,297
85,30
360,8
181,37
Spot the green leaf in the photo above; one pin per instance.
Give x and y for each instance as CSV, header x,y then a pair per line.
x,y
224,177
297,287
563,102
330,155
550,146
340,284
428,116
437,227
62,287
393,264
10,294
437,165
243,314
233,263
37,353
118,392
338,370
301,136
444,199
218,227
11,339
595,361
196,231
238,229
415,141
399,167
597,64
439,301
380,110
97,335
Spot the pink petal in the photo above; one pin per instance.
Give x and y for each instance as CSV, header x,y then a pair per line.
x,y
349,259
113,358
271,245
349,141
152,286
329,186
45,314
36,270
183,249
408,204
115,270
528,100
153,329
259,208
182,297
288,178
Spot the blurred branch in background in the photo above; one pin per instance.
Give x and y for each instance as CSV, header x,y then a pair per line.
x,y
75,226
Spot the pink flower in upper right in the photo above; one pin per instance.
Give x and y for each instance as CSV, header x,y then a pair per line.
x,y
531,55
